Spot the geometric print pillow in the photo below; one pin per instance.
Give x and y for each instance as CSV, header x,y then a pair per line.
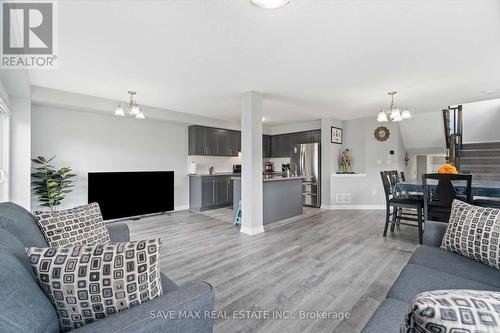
x,y
88,283
81,225
474,232
453,311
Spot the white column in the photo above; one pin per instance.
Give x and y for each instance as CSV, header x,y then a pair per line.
x,y
251,163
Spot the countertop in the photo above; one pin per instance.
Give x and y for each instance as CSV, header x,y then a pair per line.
x,y
214,175
273,178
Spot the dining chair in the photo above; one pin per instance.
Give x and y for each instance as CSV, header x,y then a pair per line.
x,y
398,204
438,198
394,178
403,178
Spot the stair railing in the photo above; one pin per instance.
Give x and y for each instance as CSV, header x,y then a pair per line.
x,y
453,130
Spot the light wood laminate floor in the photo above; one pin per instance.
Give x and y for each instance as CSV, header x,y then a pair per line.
x,y
333,260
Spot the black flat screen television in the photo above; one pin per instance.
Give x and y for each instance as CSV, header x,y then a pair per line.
x,y
129,194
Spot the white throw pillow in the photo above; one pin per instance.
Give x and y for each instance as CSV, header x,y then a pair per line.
x,y
474,232
443,311
81,225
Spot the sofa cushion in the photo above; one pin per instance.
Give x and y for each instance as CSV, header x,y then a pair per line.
x,y
474,232
88,283
21,224
388,317
415,279
453,311
23,305
455,264
81,225
167,284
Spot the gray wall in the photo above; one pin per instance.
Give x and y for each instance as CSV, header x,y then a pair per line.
x,y
369,157
482,121
90,142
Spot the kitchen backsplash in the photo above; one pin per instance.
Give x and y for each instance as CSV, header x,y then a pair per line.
x,y
225,164
220,163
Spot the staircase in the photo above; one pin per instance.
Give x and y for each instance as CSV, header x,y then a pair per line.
x,y
482,160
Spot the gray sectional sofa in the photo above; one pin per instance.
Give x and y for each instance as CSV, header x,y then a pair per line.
x,y
430,268
25,308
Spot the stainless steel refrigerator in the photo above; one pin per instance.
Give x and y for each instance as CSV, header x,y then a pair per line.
x,y
305,161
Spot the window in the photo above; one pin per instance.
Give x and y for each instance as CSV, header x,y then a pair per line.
x,y
4,150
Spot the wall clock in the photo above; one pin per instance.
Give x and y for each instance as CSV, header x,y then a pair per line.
x,y
382,133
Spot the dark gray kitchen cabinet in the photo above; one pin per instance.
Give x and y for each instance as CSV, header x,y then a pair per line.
x,y
304,137
266,146
210,141
223,147
234,143
207,191
222,191
316,136
197,137
281,144
210,192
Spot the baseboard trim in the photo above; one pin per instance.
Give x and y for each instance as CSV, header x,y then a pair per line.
x,y
354,207
182,207
252,231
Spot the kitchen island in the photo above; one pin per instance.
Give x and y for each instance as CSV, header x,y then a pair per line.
x,y
282,197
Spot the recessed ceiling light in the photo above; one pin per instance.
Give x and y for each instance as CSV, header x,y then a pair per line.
x,y
270,4
490,91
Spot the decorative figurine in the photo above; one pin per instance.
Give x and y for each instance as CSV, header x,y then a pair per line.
x,y
346,161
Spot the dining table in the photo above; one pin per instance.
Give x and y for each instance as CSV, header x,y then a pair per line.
x,y
480,188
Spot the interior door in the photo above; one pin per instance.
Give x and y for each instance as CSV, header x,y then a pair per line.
x,y
4,156
421,166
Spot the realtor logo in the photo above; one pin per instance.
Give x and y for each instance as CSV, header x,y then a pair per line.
x,y
28,35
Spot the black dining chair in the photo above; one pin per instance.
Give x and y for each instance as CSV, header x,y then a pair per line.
x,y
438,198
394,177
403,178
398,203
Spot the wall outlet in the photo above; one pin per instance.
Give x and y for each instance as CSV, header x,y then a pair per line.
x,y
343,198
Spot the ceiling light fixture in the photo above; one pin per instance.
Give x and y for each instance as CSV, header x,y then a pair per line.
x,y
270,4
133,108
392,113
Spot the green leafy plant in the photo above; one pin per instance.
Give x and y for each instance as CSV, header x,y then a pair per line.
x,y
49,184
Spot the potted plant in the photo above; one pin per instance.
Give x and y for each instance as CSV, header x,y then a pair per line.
x,y
50,185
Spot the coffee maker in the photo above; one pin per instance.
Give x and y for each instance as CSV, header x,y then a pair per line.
x,y
269,167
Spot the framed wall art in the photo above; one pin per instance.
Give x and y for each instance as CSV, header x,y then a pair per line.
x,y
336,135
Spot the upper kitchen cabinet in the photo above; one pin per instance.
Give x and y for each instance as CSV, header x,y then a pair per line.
x,y
282,144
266,146
211,141
316,136
197,141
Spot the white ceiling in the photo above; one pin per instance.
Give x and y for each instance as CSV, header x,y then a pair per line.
x,y
311,59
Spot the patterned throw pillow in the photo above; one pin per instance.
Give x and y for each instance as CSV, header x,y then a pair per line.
x,y
460,311
87,283
81,225
474,232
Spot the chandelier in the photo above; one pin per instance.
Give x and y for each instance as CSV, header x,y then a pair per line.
x,y
133,109
391,112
